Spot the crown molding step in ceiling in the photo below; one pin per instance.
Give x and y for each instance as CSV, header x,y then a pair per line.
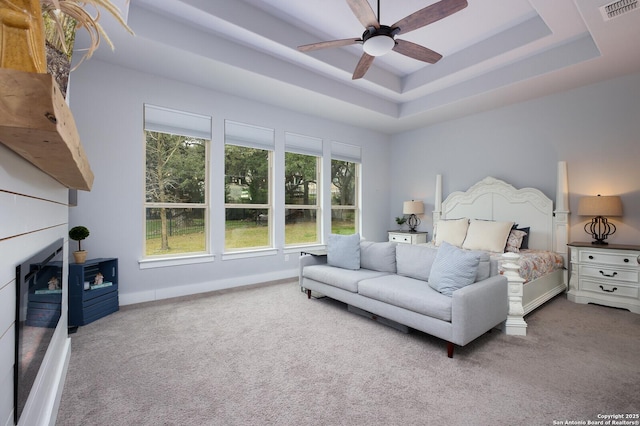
x,y
493,52
37,124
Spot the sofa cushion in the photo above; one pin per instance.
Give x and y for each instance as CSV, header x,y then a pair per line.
x,y
345,279
407,293
415,261
378,256
343,251
453,268
484,267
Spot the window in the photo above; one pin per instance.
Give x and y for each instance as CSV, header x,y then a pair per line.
x,y
345,188
248,171
302,160
176,182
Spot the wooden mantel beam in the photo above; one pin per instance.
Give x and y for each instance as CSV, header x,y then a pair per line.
x,y
37,124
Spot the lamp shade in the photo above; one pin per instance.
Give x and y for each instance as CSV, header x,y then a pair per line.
x,y
413,207
600,206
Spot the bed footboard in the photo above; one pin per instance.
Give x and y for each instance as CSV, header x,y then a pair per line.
x,y
515,324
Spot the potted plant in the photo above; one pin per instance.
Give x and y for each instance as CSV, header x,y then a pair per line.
x,y
60,11
79,233
400,220
22,34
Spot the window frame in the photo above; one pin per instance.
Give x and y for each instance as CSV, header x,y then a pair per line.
x,y
170,121
353,154
270,148
317,207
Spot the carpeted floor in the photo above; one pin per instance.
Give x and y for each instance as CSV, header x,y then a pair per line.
x,y
266,355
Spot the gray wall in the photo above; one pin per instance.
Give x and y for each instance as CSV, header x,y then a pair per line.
x,y
595,129
107,103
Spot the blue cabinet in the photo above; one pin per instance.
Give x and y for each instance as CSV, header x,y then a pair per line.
x,y
87,301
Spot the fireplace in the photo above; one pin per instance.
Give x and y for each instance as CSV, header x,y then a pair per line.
x,y
38,310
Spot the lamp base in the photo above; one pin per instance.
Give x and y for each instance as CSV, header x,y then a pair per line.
x,y
413,223
599,228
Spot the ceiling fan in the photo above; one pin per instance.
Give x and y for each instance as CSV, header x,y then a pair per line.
x,y
380,39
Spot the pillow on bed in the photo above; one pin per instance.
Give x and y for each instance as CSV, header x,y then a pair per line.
x,y
452,231
487,235
514,242
453,268
525,239
343,251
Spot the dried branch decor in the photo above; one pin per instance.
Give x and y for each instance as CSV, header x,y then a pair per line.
x,y
58,11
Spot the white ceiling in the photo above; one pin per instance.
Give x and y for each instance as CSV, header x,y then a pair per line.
x,y
495,52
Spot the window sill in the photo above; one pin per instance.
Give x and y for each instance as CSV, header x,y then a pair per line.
x,y
230,255
175,261
298,249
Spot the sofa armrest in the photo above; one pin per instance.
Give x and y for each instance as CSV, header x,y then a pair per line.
x,y
308,260
477,308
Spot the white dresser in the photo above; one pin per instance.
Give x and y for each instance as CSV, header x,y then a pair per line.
x,y
606,275
407,237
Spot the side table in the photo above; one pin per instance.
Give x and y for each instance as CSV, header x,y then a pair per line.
x,y
605,275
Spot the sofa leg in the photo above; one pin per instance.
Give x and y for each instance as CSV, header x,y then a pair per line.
x,y
450,349
308,294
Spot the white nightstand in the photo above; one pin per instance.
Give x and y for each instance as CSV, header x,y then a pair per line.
x,y
407,237
606,275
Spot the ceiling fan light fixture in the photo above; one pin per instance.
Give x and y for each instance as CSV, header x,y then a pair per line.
x,y
378,45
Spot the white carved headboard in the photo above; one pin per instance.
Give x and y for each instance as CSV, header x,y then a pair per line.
x,y
494,199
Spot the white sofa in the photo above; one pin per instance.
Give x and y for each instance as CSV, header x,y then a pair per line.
x,y
425,288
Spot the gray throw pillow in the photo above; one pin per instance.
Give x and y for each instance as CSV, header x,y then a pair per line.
x,y
453,269
343,251
378,256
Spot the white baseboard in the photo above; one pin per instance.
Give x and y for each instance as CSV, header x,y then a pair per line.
x,y
190,289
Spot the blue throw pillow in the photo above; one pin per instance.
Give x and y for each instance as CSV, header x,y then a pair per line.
x,y
453,269
343,251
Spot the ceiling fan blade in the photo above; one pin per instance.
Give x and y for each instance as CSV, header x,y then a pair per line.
x,y
364,13
429,14
328,44
363,66
416,51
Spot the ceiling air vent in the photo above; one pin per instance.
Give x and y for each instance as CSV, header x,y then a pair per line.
x,y
617,8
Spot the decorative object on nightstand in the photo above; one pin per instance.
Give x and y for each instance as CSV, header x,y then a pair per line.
x,y
413,208
408,237
605,275
401,220
599,207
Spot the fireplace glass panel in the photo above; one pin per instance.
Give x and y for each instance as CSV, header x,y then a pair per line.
x,y
38,309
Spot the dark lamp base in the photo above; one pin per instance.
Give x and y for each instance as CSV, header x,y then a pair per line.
x,y
413,223
599,228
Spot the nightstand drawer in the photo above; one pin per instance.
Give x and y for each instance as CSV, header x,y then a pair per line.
x,y
396,238
605,273
600,257
611,289
405,237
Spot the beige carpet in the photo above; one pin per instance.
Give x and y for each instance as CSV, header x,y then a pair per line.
x,y
268,356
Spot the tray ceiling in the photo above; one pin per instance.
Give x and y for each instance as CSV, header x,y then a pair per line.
x,y
496,52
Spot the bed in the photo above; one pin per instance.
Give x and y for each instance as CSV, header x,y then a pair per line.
x,y
495,200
